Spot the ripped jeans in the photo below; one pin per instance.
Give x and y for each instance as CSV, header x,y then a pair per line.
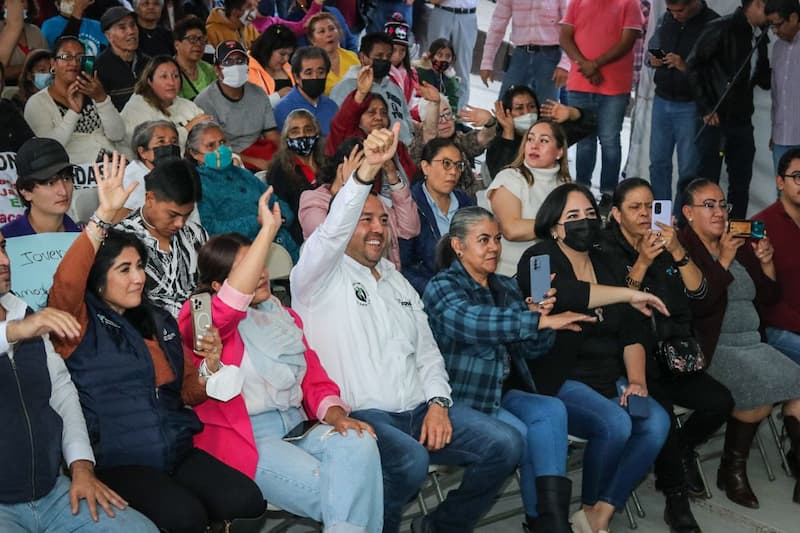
x,y
327,477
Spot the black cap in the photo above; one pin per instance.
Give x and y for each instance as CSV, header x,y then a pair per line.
x,y
226,48
112,16
40,159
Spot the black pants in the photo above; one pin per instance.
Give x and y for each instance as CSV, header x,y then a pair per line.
x,y
199,490
712,404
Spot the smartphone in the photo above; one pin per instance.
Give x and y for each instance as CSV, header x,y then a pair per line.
x,y
637,405
658,53
87,65
300,430
746,229
201,315
540,277
661,212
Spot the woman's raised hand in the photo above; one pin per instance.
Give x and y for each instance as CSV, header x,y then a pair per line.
x,y
209,346
110,190
352,162
269,218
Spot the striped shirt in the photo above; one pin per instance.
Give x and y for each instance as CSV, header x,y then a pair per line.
x,y
786,91
172,274
532,23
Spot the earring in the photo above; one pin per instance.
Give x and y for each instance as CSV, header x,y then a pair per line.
x,y
460,254
555,236
100,291
52,71
691,220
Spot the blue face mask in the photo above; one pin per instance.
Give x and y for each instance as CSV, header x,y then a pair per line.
x,y
220,159
42,80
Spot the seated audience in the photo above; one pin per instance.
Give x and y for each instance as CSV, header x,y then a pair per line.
x,y
120,65
154,39
35,76
75,109
14,130
72,20
325,32
382,354
348,34
269,66
741,273
310,66
436,68
240,108
157,98
30,38
37,497
437,199
517,192
597,370
172,240
402,214
297,162
44,185
781,319
652,258
483,326
332,474
518,111
153,141
228,190
376,52
128,366
190,43
401,71
232,22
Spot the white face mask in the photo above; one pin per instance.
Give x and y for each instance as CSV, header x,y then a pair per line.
x,y
524,122
67,7
235,75
225,384
248,17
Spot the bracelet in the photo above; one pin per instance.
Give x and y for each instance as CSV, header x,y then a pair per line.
x,y
362,182
491,124
99,222
684,261
93,234
205,372
632,283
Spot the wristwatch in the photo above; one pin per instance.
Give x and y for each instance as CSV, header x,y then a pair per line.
x,y
441,401
99,222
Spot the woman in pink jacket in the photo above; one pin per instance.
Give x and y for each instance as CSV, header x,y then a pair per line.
x,y
266,382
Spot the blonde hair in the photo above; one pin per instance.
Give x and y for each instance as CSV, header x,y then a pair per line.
x,y
561,142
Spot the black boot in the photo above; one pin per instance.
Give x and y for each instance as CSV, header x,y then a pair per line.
x,y
792,426
553,494
678,513
732,473
694,482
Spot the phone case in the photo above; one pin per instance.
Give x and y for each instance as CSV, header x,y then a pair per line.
x,y
637,407
540,277
661,212
201,314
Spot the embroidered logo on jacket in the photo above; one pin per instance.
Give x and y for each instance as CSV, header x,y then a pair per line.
x,y
361,294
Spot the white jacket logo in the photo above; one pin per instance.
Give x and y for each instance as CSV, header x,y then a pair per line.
x,y
361,294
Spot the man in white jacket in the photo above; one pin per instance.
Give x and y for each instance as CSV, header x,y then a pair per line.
x,y
367,324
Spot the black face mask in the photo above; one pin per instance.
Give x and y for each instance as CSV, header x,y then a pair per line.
x,y
313,88
380,68
580,235
160,153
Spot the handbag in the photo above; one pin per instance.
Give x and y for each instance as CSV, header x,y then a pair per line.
x,y
679,355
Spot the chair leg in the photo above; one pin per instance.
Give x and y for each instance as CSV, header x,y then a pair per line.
x,y
777,437
699,465
437,486
638,505
423,507
763,452
632,524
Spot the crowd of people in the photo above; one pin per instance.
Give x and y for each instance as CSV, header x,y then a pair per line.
x,y
440,315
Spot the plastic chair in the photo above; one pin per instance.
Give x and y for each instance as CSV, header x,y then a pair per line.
x,y
279,262
84,203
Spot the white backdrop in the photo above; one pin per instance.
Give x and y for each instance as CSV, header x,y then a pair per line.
x,y
762,188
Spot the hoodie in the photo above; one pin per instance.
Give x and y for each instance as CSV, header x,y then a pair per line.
x,y
219,28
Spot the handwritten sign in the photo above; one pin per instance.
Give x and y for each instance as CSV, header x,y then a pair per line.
x,y
34,259
10,205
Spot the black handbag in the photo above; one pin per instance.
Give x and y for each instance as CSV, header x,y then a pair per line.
x,y
679,355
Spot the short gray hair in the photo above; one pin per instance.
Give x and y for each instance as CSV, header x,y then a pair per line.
x,y
196,133
143,134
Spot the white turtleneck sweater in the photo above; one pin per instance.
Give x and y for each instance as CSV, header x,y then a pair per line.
x,y
531,197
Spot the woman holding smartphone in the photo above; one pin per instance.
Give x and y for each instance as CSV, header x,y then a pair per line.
x,y
599,372
483,325
656,262
266,381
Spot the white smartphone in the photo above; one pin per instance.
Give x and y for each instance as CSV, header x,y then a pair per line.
x,y
201,315
661,212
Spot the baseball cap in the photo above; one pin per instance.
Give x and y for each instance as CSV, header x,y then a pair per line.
x,y
112,16
226,48
40,159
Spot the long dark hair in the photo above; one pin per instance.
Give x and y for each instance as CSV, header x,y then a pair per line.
x,y
462,222
143,84
552,207
327,174
432,149
274,38
215,259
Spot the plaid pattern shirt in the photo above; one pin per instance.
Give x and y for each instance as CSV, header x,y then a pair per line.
x,y
476,328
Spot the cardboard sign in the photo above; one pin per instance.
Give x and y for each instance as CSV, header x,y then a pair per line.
x,y
34,259
10,205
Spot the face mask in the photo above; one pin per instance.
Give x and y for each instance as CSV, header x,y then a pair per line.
x,y
313,88
580,235
524,122
302,145
221,159
67,8
225,384
248,17
235,75
42,80
380,68
165,152
440,66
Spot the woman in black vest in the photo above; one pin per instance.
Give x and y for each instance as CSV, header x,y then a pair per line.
x,y
128,367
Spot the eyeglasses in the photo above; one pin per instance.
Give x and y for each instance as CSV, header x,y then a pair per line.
x,y
794,176
69,58
233,61
448,164
196,39
447,116
711,205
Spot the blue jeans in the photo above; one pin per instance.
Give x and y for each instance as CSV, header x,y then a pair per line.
x,y
778,150
610,114
462,30
382,11
786,342
487,448
52,513
331,478
542,422
534,70
674,127
620,449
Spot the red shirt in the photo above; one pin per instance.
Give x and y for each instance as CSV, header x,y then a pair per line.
x,y
785,235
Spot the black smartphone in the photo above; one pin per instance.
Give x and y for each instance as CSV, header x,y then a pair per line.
x,y
300,430
747,229
87,65
637,405
658,53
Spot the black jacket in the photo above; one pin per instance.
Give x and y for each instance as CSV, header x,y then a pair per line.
x,y
678,38
716,56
